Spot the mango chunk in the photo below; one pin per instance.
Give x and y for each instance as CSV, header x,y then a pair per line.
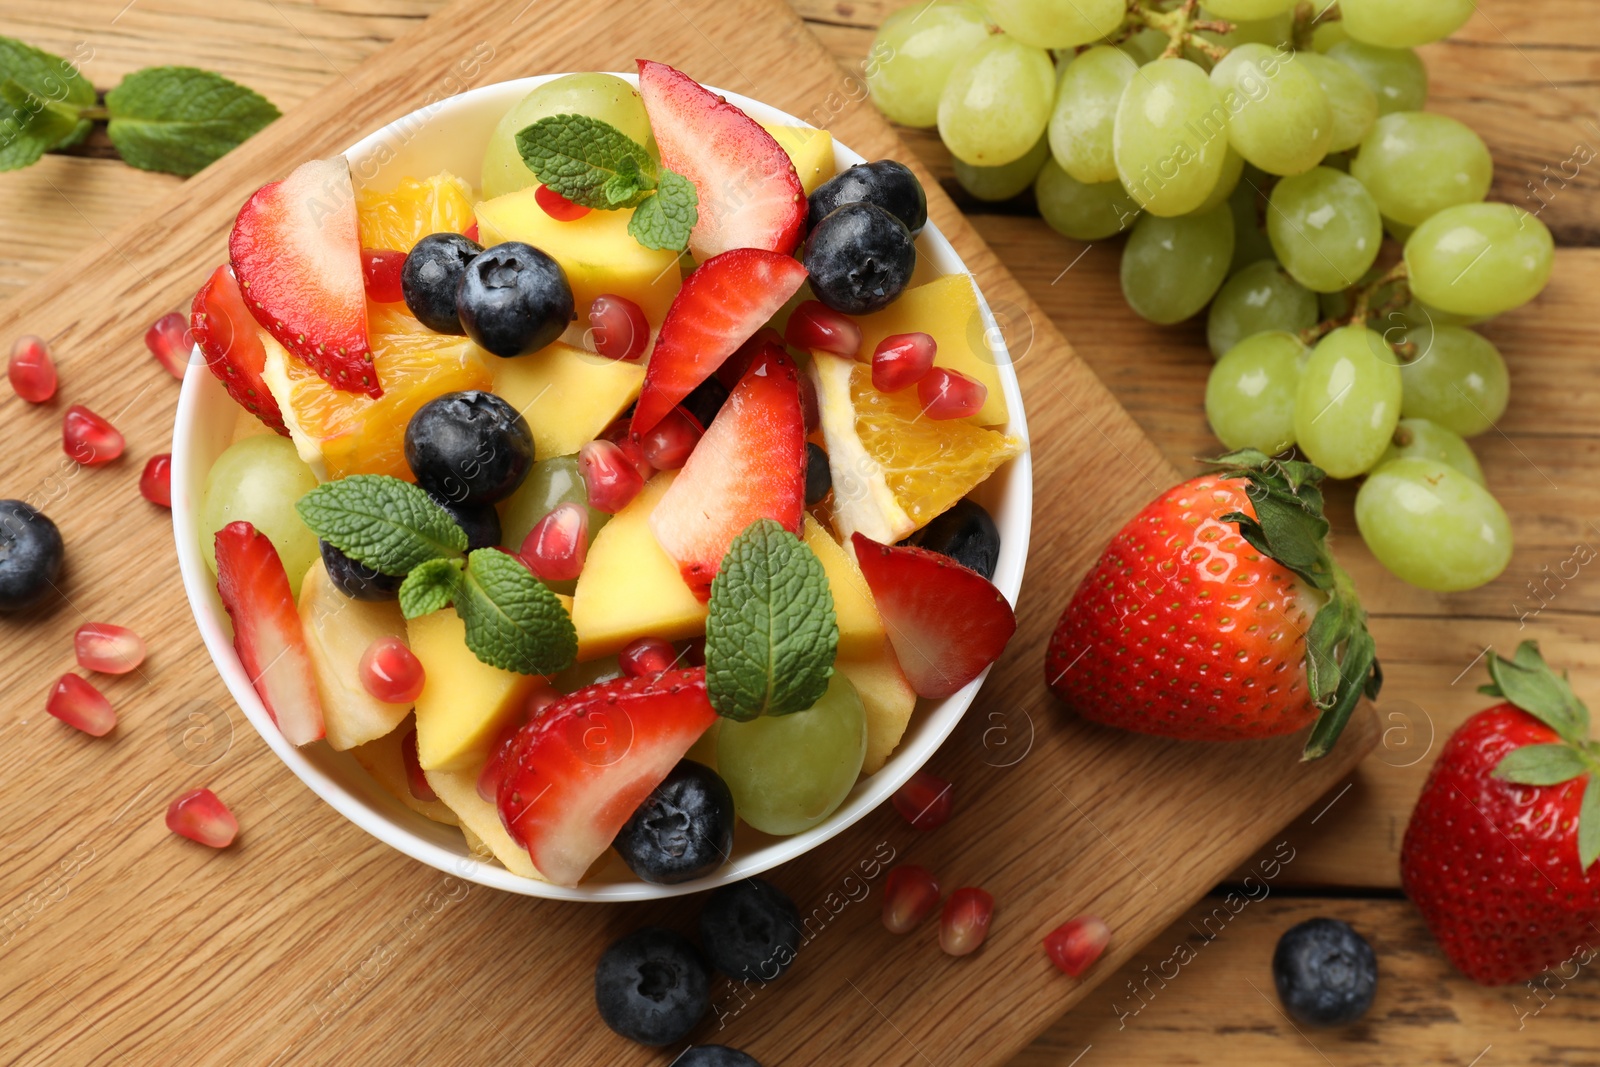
x,y
887,697
861,630
811,151
383,760
567,395
465,702
458,790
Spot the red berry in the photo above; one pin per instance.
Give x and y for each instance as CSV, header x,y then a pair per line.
x,y
910,895
556,547
89,439
108,649
815,326
493,767
667,444
620,433
380,269
391,672
618,327
925,801
557,206
611,478
81,706
948,394
646,656
1076,944
170,341
902,360
201,816
31,370
416,781
471,232
155,484
964,922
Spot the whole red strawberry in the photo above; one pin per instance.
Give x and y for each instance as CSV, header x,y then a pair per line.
x,y
1217,614
1500,853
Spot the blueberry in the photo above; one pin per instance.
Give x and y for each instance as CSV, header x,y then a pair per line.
x,y
715,1056
514,299
31,554
684,828
750,929
1326,973
652,987
886,183
357,580
470,447
480,521
819,479
706,400
966,534
432,274
860,258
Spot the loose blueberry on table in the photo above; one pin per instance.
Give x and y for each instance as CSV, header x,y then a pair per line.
x,y
1326,973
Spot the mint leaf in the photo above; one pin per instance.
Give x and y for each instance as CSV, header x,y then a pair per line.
x,y
382,522
1541,765
50,78
30,126
625,185
771,635
180,119
589,162
665,219
430,587
513,620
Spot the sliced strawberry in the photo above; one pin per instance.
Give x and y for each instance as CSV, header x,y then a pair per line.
x,y
297,253
946,623
750,195
226,332
266,630
751,464
723,303
576,773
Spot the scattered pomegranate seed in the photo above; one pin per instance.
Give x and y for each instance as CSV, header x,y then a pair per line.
x,y
76,702
170,341
816,326
647,656
619,328
668,444
391,672
155,484
910,895
380,268
89,439
925,801
416,781
108,649
493,767
201,816
556,547
557,206
948,394
694,652
31,370
902,360
964,923
1076,944
612,479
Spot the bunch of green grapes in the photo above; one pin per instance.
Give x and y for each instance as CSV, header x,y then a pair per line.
x,y
1256,153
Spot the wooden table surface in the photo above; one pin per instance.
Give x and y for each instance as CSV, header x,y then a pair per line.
x,y
1523,73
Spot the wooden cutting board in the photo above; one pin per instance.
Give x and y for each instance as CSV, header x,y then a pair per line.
x,y
309,941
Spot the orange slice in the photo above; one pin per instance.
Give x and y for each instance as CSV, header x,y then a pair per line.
x,y
417,207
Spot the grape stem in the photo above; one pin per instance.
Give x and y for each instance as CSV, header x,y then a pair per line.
x,y
1181,25
1306,21
1362,311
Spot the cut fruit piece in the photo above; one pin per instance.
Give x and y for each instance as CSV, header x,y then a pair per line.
x,y
480,819
809,149
465,703
946,623
338,632
860,627
230,340
577,773
567,395
201,816
894,471
886,696
382,759
397,220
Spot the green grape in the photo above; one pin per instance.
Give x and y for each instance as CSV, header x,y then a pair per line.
x,y
1248,10
1415,313
1349,402
1280,121
1259,298
997,101
1351,102
1272,30
1053,24
787,773
582,675
1479,259
1328,34
1249,236
1432,526
1456,380
1324,228
1086,111
1250,396
1398,230
1227,182
1003,182
1339,161
1415,164
599,96
1395,75
550,483
1172,267
912,55
1404,23
259,480
1171,137
1421,439
1082,212
1145,46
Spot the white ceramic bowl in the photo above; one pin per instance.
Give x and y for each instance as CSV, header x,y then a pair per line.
x,y
451,135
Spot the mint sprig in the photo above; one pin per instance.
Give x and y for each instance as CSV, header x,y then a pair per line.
x,y
664,220
430,587
513,620
44,99
771,635
382,522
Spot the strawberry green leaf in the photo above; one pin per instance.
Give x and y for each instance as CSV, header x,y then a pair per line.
x,y
430,587
1528,682
1541,765
1358,675
513,620
382,522
1589,824
589,162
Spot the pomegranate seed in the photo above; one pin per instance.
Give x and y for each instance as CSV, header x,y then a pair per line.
x,y
31,370
89,439
380,268
155,484
948,394
620,433
557,206
201,817
170,341
493,767
108,649
416,781
925,801
391,672
611,478
694,652
1076,944
618,327
964,923
76,702
556,547
471,232
902,360
646,656
668,444
817,327
910,895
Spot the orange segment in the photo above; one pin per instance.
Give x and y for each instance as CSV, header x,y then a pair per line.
x,y
398,220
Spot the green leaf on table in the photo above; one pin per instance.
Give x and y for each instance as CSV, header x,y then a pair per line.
x,y
382,522
513,620
591,163
30,126
49,77
665,219
180,119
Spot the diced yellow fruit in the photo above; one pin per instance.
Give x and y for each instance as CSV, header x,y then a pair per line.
x,y
597,252
567,395
810,149
458,789
630,587
465,702
383,760
338,631
947,311
860,626
887,697
398,220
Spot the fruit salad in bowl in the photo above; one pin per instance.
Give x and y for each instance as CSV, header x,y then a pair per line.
x,y
599,486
